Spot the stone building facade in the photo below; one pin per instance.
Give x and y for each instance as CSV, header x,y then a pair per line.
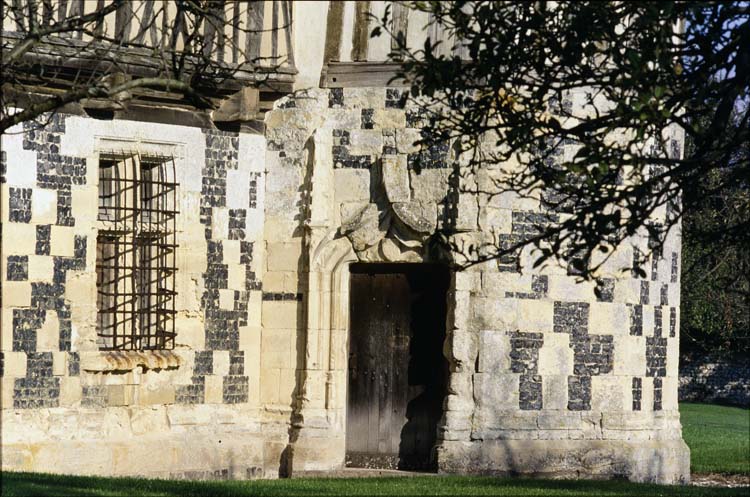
x,y
543,377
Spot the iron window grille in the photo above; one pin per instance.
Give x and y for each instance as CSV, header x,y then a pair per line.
x,y
136,246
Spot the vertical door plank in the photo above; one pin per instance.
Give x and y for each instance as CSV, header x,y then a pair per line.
x,y
357,413
401,317
377,332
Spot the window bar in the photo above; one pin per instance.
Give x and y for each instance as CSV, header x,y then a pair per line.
x,y
160,262
119,275
173,261
160,302
134,170
136,253
144,270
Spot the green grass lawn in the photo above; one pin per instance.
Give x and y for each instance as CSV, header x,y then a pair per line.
x,y
16,484
717,436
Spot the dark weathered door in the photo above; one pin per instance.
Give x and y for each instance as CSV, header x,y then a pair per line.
x,y
396,370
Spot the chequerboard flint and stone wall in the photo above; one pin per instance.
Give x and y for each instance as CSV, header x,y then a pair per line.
x,y
546,377
69,407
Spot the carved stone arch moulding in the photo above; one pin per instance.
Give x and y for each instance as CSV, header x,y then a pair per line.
x,y
389,228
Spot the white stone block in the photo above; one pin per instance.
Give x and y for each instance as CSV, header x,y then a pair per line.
x,y
556,356
220,222
221,362
231,251
648,321
669,392
14,364
59,363
48,336
674,294
430,185
463,348
254,306
43,206
608,392
146,420
23,237
214,385
236,277
21,164
629,355
62,241
226,299
467,213
508,419
460,309
252,152
191,332
396,178
557,420
352,185
628,291
406,139
238,191
608,319
535,315
366,142
343,119
673,355
494,218
494,351
496,284
85,205
275,348
493,313
364,98
555,391
496,391
647,394
389,118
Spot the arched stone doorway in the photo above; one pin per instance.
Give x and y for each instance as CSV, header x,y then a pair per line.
x,y
381,231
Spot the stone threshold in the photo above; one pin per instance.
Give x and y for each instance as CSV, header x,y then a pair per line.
x,y
362,473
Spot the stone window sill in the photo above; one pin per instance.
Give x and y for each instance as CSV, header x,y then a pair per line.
x,y
128,360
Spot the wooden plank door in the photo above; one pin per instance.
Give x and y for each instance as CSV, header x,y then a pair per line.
x,y
378,366
396,370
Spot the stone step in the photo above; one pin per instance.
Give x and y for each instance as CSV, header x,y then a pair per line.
x,y
361,473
